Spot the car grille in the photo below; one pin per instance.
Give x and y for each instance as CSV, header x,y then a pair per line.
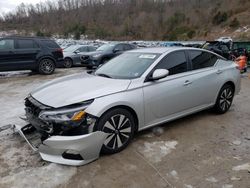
x,y
33,109
84,58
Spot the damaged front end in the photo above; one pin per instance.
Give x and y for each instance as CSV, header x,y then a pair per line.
x,y
66,135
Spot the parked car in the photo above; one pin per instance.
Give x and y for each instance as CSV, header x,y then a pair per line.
x,y
73,53
25,53
219,47
81,115
104,54
225,39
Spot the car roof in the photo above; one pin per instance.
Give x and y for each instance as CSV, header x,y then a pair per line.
x,y
162,50
25,37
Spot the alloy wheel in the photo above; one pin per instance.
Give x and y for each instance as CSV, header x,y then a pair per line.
x,y
226,99
47,66
119,129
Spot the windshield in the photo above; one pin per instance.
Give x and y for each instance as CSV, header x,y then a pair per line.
x,y
127,66
106,47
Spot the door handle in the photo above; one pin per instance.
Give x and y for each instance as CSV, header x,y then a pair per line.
x,y
187,82
219,71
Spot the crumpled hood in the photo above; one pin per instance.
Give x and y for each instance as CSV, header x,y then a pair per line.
x,y
77,88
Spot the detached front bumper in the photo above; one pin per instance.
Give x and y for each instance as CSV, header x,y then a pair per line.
x,y
68,150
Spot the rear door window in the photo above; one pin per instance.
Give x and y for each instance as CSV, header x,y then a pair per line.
x,y
50,44
175,62
119,47
83,49
26,44
201,59
91,48
128,47
7,44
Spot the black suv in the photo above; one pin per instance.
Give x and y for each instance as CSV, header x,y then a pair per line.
x,y
104,53
29,53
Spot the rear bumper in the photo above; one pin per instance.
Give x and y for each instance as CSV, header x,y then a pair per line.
x,y
68,150
59,63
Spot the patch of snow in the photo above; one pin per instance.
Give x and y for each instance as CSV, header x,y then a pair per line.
x,y
174,174
155,151
227,186
242,167
235,178
188,186
212,179
236,142
131,167
48,176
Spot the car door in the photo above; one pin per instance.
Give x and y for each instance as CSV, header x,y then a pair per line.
x,y
205,77
26,51
169,96
119,49
7,54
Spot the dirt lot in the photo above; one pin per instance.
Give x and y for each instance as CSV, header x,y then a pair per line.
x,y
202,150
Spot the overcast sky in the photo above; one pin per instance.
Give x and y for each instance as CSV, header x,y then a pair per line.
x,y
10,5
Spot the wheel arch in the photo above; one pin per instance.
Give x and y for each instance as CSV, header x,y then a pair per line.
x,y
46,57
231,83
67,57
131,110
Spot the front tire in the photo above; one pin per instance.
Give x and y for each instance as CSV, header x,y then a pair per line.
x,y
46,66
120,125
224,99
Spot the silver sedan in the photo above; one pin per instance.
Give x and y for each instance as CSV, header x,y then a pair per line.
x,y
82,115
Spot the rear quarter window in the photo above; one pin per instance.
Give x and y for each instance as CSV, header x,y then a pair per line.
x,y
201,59
49,44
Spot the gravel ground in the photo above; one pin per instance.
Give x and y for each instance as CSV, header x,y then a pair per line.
x,y
202,150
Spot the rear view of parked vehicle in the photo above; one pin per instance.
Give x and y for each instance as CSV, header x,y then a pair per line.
x,y
85,114
104,54
25,53
73,53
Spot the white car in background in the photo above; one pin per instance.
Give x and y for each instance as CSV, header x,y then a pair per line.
x,y
82,115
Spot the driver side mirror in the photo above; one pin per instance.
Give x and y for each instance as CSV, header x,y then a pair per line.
x,y
159,74
116,50
77,51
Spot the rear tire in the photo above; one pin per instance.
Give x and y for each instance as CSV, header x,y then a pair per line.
x,y
46,66
120,125
224,99
68,63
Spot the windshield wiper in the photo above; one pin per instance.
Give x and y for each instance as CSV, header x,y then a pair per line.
x,y
104,75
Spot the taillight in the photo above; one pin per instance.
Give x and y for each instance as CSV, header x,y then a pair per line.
x,y
59,50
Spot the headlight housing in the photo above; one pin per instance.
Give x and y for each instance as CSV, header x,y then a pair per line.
x,y
74,113
96,56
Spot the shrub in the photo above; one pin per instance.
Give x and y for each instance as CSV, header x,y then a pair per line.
x,y
234,23
219,18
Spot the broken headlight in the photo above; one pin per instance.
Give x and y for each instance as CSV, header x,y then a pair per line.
x,y
72,114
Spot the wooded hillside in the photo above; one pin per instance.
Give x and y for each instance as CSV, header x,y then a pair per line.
x,y
129,19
